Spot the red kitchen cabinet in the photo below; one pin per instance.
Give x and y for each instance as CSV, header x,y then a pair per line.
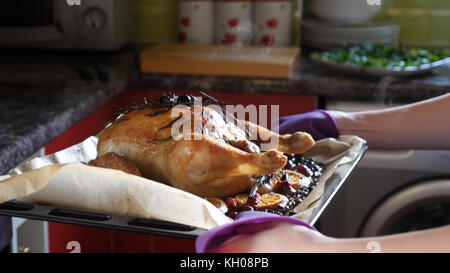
x,y
102,240
288,104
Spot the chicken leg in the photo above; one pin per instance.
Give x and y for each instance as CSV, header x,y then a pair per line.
x,y
296,143
209,159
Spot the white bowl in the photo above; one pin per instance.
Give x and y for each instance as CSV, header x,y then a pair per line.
x,y
345,11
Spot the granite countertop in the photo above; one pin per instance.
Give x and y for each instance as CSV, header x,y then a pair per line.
x,y
44,93
311,78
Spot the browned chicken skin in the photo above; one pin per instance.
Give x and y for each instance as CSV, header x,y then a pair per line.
x,y
116,162
215,162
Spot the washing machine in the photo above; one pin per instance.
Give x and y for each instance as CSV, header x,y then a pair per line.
x,y
392,191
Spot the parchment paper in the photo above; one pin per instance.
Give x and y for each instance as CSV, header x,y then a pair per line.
x,y
60,180
332,152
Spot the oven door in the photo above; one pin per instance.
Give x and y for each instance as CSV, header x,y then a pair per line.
x,y
415,207
38,24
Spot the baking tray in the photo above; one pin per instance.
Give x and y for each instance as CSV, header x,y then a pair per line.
x,y
152,226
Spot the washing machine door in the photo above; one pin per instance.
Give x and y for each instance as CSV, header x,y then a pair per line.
x,y
419,206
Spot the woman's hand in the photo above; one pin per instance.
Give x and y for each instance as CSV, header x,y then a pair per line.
x,y
318,123
257,231
275,237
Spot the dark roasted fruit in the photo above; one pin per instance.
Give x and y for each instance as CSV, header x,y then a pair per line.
x,y
231,203
252,200
232,213
303,170
284,188
280,193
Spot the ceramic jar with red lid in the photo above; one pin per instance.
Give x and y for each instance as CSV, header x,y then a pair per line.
x,y
234,22
196,21
272,22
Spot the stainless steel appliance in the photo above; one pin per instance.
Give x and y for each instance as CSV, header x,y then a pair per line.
x,y
68,24
390,191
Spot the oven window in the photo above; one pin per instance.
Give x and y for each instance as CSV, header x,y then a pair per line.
x,y
26,13
428,215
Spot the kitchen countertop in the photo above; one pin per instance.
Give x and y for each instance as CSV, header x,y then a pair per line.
x,y
42,94
311,78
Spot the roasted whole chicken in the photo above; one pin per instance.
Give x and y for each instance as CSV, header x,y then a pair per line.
x,y
196,149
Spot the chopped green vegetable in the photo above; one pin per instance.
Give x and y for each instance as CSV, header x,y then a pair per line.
x,y
379,55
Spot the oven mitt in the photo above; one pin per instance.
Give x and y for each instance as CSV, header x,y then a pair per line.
x,y
318,123
242,224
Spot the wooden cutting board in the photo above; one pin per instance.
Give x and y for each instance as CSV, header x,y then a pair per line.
x,y
253,61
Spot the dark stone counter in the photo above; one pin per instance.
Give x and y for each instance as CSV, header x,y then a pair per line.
x,y
311,78
44,93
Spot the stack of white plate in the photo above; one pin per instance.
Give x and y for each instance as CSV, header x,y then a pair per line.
x,y
321,35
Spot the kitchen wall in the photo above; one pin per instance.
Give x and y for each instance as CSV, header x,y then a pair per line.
x,y
158,21
422,22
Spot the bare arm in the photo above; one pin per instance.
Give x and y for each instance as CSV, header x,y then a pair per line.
x,y
431,240
421,125
285,237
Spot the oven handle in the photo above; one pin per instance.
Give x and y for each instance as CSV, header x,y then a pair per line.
x,y
389,155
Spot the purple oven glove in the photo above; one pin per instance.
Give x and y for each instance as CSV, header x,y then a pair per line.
x,y
318,123
240,225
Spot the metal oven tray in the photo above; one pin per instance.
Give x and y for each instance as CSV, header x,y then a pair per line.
x,y
152,226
